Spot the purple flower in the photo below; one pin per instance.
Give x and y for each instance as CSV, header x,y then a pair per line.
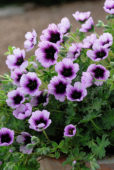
x,y
39,120
16,60
24,139
99,72
106,40
31,40
23,111
64,25
30,83
6,136
76,92
0,162
74,162
86,79
67,69
70,130
74,51
16,76
81,16
57,87
109,6
52,34
15,98
89,41
41,97
87,26
47,53
10,150
98,53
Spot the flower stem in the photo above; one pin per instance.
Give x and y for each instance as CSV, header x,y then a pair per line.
x,y
95,125
45,134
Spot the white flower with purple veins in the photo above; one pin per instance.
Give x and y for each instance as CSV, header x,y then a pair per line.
x,y
109,6
67,69
74,51
39,120
23,111
70,130
6,137
15,98
52,34
41,97
87,26
76,92
30,83
31,40
98,53
24,139
16,60
57,87
99,73
89,41
64,25
16,76
81,16
47,53
106,40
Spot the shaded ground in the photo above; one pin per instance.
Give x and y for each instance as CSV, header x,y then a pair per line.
x,y
13,28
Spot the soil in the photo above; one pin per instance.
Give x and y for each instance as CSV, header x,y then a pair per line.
x,y
14,27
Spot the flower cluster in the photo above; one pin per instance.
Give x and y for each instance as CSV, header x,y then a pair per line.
x,y
63,75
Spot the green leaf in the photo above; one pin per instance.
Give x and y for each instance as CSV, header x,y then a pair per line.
x,y
61,144
94,165
35,139
30,146
98,147
57,155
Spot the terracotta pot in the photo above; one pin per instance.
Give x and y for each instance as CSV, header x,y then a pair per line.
x,y
53,164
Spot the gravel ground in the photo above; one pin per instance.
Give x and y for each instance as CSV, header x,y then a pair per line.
x,y
14,27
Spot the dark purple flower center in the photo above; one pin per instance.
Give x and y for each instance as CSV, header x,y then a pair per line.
x,y
82,20
19,77
20,60
111,7
41,98
39,121
67,72
99,72
100,54
23,113
76,52
106,42
32,84
76,94
60,88
27,139
17,99
50,52
54,37
71,131
5,138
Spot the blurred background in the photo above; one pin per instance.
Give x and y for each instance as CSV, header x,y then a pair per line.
x,y
20,16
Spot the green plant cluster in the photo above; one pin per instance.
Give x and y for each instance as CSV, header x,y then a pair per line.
x,y
94,117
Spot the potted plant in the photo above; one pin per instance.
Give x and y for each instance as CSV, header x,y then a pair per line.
x,y
58,103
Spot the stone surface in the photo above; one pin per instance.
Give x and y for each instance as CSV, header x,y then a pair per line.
x,y
11,11
52,164
13,28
